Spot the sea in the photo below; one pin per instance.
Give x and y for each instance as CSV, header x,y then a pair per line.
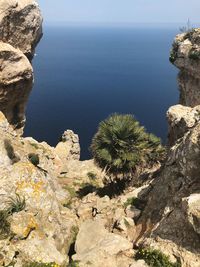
x,y
85,73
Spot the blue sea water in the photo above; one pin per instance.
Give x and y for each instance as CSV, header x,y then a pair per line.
x,y
83,74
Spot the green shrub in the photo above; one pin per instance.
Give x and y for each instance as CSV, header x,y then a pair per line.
x,y
121,145
34,159
71,191
194,54
16,204
10,151
155,258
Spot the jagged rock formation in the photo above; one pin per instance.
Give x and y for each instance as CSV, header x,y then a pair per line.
x,y
20,31
171,219
69,148
181,119
21,24
16,77
43,229
185,55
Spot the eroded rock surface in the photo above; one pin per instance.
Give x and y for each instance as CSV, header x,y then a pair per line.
x,y
16,78
21,24
43,229
69,148
185,55
181,119
96,245
20,31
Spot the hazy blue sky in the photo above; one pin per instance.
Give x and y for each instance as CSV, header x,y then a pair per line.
x,y
120,11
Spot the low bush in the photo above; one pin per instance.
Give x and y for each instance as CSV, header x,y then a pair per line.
x,y
194,54
34,159
14,205
155,258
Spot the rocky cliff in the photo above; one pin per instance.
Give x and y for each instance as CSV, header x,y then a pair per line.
x,y
185,54
171,218
20,31
55,209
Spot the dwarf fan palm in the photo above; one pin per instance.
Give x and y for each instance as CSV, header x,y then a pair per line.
x,y
121,144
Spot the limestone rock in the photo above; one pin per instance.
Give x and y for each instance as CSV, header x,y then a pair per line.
x,y
21,24
69,147
189,89
170,216
16,78
139,263
185,50
185,55
43,230
132,212
191,206
181,119
96,245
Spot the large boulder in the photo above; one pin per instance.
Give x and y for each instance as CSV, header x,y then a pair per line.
x,y
21,24
96,245
16,78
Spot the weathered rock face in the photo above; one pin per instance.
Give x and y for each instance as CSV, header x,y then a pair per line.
x,y
16,77
69,147
95,245
21,24
171,219
185,55
181,119
42,229
20,31
171,216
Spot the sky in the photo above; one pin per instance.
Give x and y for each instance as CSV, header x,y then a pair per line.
x,y
120,11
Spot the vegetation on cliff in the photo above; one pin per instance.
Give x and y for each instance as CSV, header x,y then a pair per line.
x,y
122,144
